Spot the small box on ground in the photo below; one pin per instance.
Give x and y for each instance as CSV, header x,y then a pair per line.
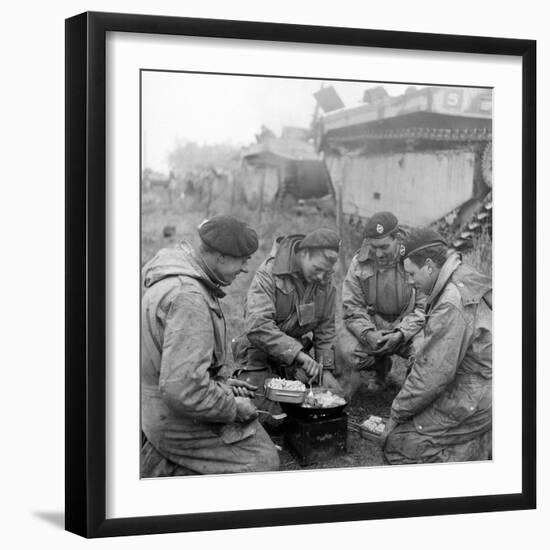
x,y
373,428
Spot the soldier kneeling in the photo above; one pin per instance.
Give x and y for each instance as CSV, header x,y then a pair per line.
x,y
290,308
382,310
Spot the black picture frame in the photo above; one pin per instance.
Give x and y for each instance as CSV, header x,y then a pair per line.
x,y
86,273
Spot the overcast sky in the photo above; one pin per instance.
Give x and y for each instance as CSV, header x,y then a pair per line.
x,y
227,109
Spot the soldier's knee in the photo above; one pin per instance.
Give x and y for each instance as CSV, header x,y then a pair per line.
x,y
392,449
273,462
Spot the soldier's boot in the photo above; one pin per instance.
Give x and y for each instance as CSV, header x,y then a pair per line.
x,y
381,368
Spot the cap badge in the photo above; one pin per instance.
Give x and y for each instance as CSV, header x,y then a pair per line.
x,y
402,250
379,228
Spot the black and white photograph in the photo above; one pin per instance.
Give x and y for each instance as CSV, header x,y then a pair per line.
x,y
274,275
316,273
294,274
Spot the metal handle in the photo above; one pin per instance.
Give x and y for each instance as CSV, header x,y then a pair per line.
x,y
280,416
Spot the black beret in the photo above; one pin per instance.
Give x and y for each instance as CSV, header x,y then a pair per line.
x,y
228,235
422,238
322,238
380,225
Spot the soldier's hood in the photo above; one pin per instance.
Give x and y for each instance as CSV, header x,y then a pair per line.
x,y
447,269
181,260
283,253
471,284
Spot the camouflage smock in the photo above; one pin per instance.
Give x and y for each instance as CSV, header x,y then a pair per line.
x,y
275,316
187,411
444,409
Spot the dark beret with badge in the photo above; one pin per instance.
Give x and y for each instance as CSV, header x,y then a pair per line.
x,y
321,238
421,239
381,225
229,235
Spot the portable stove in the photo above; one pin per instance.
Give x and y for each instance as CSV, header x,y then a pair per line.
x,y
316,437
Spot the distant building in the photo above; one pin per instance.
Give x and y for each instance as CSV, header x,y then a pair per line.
x,y
286,166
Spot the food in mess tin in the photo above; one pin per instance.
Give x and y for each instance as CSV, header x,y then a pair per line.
x,y
284,384
323,400
374,424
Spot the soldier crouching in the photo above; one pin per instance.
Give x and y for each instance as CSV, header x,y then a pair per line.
x,y
382,310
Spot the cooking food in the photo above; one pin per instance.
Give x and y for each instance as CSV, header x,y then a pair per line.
x,y
374,424
323,400
284,384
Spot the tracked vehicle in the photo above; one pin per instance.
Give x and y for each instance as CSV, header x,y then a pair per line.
x,y
425,155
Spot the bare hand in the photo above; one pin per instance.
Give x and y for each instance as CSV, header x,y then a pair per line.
x,y
245,410
240,388
373,340
310,366
389,342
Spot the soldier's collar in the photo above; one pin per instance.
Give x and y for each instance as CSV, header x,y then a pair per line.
x,y
447,269
364,252
285,261
213,282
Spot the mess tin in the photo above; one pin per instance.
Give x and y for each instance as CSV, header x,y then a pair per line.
x,y
283,395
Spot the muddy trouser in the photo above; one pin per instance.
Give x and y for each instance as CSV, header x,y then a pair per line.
x,y
405,445
233,448
153,464
354,355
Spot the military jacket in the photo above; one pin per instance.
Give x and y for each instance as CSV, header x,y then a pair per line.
x,y
184,396
281,308
380,298
449,386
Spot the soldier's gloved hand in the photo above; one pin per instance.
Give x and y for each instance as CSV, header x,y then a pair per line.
x,y
245,410
311,366
373,339
240,388
390,341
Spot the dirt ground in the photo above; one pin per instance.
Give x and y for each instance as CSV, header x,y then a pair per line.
x,y
359,451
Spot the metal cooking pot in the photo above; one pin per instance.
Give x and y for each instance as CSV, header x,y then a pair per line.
x,y
295,409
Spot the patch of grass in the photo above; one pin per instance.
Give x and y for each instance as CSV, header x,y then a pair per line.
x,y
480,255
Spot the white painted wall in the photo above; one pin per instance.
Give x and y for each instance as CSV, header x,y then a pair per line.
x,y
417,187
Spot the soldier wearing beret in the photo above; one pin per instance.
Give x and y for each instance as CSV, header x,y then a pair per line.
x,y
443,412
195,419
290,298
382,310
